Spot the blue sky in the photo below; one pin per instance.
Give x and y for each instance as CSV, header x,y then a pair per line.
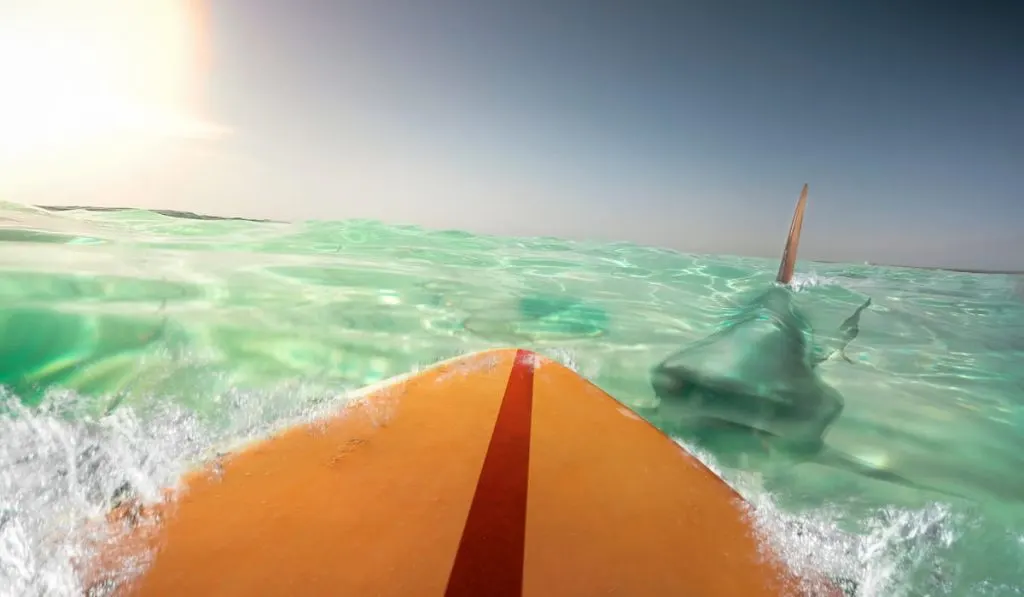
x,y
690,125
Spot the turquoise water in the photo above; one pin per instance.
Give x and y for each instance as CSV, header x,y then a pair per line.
x,y
137,343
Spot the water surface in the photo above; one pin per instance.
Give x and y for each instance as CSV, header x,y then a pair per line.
x,y
137,343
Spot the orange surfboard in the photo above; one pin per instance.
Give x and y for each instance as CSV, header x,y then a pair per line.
x,y
497,474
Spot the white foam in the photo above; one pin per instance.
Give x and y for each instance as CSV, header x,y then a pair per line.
x,y
893,552
803,281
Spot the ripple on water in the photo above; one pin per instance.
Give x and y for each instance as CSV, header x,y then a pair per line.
x,y
47,348
32,288
539,319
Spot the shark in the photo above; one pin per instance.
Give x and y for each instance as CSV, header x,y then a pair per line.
x,y
754,382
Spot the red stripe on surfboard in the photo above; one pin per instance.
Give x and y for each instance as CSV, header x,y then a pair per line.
x,y
489,560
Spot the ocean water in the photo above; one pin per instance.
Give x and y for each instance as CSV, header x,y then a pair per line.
x,y
135,344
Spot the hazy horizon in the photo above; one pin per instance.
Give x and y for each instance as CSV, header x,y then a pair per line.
x,y
691,127
771,257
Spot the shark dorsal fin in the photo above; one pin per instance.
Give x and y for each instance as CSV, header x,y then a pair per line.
x,y
792,241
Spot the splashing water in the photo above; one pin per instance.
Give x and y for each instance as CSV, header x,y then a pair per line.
x,y
137,345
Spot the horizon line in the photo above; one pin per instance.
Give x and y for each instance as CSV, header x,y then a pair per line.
x,y
173,213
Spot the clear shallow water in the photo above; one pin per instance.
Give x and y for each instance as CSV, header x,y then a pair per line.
x,y
135,344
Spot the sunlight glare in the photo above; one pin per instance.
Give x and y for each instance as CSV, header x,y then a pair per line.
x,y
90,74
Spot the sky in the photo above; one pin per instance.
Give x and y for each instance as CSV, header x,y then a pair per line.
x,y
690,125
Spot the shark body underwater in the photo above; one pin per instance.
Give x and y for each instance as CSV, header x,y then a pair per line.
x,y
754,381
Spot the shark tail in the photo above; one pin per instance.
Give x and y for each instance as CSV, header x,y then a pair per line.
x,y
785,275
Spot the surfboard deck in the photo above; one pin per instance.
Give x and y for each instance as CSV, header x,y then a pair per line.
x,y
500,473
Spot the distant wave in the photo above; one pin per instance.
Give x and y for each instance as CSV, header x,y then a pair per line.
x,y
188,215
171,213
